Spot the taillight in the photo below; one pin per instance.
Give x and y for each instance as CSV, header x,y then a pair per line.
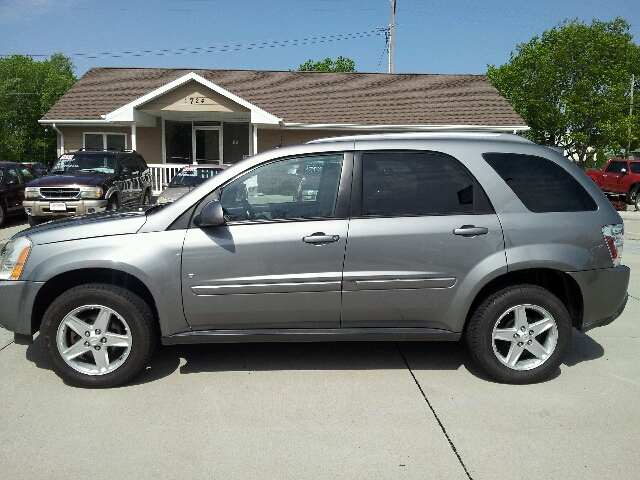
x,y
614,237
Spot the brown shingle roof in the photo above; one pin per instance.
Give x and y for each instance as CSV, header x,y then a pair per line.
x,y
309,97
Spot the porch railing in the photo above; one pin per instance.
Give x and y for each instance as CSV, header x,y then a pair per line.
x,y
161,174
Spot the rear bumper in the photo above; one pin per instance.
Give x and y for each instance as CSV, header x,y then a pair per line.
x,y
604,294
41,208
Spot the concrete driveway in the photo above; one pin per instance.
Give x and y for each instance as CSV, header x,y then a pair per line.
x,y
337,410
12,226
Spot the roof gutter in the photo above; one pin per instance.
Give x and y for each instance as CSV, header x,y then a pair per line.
x,y
76,122
405,128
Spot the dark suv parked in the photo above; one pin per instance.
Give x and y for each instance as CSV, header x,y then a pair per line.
x,y
13,179
88,181
485,237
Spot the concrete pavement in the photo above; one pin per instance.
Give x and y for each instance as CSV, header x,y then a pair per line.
x,y
12,226
343,410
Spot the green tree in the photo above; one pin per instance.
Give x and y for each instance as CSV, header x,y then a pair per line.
x,y
341,64
572,87
28,89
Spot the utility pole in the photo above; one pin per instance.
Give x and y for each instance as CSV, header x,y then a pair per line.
x,y
391,31
633,81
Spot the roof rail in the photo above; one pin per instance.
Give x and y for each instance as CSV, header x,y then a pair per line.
x,y
419,136
85,149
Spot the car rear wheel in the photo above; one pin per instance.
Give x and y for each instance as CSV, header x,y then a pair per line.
x,y
635,198
97,336
520,334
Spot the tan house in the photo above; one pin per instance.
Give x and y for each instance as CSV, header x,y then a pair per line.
x,y
178,116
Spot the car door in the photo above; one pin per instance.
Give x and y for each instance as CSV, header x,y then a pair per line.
x,y
15,189
423,232
277,262
611,176
129,174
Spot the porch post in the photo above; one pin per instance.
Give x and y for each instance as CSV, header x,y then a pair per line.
x,y
133,136
254,142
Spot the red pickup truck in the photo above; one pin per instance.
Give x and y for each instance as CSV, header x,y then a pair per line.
x,y
619,179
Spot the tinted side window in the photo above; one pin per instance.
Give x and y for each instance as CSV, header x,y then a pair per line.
x,y
129,163
297,188
27,174
616,167
540,184
13,176
418,183
142,163
635,167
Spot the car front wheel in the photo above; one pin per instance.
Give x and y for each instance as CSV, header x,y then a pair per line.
x,y
113,204
520,334
97,336
146,198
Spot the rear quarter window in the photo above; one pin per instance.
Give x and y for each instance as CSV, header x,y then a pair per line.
x,y
540,184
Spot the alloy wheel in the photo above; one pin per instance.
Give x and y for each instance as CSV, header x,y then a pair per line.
x,y
524,337
94,340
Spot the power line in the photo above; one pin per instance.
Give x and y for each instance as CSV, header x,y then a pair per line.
x,y
384,30
225,47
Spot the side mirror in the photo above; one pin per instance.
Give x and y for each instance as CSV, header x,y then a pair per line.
x,y
211,215
624,171
126,171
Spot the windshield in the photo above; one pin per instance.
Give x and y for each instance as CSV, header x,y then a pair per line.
x,y
85,162
192,176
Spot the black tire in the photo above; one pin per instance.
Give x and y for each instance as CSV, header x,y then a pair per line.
x,y
33,221
504,314
146,198
130,328
113,204
634,197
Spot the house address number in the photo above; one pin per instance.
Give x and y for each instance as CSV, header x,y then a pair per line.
x,y
195,100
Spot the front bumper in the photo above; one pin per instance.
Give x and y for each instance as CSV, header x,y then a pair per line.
x,y
604,294
16,305
41,208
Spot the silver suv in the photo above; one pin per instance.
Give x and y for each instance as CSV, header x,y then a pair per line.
x,y
406,237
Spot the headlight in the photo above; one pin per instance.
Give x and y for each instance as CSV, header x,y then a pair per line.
x,y
31,192
90,192
13,257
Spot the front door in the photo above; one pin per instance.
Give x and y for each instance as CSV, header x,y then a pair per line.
x,y
277,263
207,144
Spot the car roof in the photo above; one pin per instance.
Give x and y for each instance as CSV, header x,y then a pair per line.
x,y
9,164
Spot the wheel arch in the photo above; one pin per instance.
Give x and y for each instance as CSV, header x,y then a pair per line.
x,y
114,191
558,283
59,284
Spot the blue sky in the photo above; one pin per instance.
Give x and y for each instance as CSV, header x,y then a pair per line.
x,y
432,36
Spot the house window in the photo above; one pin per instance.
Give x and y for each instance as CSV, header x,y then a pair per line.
x,y
105,141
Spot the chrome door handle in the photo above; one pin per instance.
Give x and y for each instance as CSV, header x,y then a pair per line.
x,y
470,231
320,237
